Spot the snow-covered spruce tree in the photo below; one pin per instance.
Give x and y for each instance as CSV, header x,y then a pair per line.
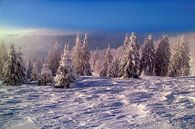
x,y
185,54
113,68
81,57
130,60
95,58
34,74
162,57
65,73
86,57
21,66
14,70
29,70
46,76
54,58
3,57
175,63
76,56
148,56
179,64
106,63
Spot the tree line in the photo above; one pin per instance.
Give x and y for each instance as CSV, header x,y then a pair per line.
x,y
62,68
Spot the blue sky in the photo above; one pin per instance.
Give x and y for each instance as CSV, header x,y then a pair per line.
x,y
100,15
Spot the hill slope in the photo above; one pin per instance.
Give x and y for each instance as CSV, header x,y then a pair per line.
x,y
150,102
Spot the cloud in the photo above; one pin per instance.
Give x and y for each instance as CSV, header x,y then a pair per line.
x,y
19,32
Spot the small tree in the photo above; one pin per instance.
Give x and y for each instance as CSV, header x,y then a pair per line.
x,y
148,56
54,58
65,74
107,61
162,58
14,70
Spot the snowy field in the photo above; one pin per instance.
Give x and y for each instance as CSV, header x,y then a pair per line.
x,y
93,102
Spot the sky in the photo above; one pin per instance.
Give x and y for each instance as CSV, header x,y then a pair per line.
x,y
98,15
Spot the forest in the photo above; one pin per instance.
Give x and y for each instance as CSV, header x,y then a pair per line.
x,y
131,60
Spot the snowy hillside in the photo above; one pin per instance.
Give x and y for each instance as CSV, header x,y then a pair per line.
x,y
93,102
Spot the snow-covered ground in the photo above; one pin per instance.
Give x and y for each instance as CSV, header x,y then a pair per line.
x,y
93,102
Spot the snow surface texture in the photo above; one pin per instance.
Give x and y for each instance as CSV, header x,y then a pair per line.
x,y
94,102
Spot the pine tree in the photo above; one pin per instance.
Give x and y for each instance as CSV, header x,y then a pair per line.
x,y
175,63
54,58
95,58
86,57
76,54
162,58
21,65
30,67
113,68
148,56
34,73
65,73
46,76
185,54
14,70
179,65
107,61
130,60
81,57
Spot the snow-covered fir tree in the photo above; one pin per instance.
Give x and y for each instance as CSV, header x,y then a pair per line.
x,y
3,57
162,57
29,70
34,74
81,57
130,60
185,54
21,66
65,73
179,64
106,63
86,57
14,70
148,56
113,68
46,76
76,56
95,57
54,58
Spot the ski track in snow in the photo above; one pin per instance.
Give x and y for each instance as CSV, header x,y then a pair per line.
x,y
94,102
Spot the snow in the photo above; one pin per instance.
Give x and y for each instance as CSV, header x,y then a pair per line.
x,y
94,102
